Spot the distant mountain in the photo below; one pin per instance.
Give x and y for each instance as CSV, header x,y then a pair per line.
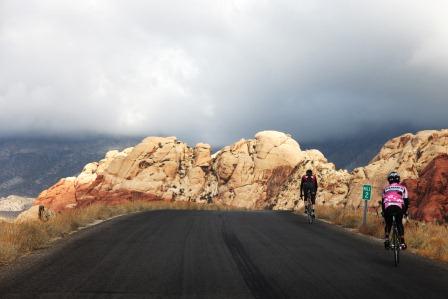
x,y
349,153
29,165
13,205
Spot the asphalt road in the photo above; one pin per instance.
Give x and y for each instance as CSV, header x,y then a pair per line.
x,y
198,254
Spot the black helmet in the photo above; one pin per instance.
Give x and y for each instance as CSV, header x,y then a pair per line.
x,y
393,177
309,172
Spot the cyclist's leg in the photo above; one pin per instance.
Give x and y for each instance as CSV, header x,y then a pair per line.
x,y
305,199
400,226
399,217
313,201
388,222
387,227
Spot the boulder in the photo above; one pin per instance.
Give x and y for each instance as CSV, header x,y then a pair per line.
x,y
35,213
249,172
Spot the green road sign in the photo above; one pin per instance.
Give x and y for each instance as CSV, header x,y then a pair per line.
x,y
366,192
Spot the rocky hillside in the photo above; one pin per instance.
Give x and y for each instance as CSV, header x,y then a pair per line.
x,y
258,173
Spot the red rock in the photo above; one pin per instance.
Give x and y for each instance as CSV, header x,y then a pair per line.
x,y
68,193
429,193
59,196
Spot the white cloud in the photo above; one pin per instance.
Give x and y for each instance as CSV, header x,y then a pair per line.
x,y
219,70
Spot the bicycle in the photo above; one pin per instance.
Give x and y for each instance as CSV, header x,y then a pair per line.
x,y
309,207
395,243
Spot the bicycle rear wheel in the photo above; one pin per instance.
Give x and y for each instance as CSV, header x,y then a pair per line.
x,y
309,208
396,243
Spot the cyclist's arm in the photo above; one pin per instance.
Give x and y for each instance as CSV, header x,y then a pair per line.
x,y
406,201
301,185
315,184
406,205
383,208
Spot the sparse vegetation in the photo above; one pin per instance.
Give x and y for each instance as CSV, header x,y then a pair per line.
x,y
427,239
17,239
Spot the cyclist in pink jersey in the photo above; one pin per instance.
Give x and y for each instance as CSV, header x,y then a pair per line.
x,y
395,201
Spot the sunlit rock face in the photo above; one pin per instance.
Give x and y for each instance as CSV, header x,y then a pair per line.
x,y
260,173
250,172
155,169
244,174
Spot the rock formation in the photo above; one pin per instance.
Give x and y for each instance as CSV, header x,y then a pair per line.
x,y
408,154
35,213
261,173
245,174
250,172
429,193
333,184
156,169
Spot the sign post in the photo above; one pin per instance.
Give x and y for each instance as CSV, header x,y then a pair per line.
x,y
366,196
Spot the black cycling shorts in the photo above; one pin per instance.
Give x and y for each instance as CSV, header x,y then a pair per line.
x,y
398,212
313,196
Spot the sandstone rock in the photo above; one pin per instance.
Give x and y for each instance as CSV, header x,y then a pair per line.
x,y
167,169
35,213
261,173
202,154
408,154
244,169
61,195
156,169
333,184
429,193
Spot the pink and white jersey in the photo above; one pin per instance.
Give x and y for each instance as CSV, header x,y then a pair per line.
x,y
394,195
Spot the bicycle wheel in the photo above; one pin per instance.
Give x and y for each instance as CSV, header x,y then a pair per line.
x,y
396,243
309,208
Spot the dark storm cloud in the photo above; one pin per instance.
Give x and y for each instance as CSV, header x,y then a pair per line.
x,y
220,70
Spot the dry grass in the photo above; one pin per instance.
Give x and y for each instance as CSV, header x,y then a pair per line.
x,y
343,217
17,239
430,240
427,239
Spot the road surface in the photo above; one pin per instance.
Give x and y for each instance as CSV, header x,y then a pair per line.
x,y
210,254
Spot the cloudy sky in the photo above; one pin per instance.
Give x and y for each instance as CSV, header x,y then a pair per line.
x,y
220,70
